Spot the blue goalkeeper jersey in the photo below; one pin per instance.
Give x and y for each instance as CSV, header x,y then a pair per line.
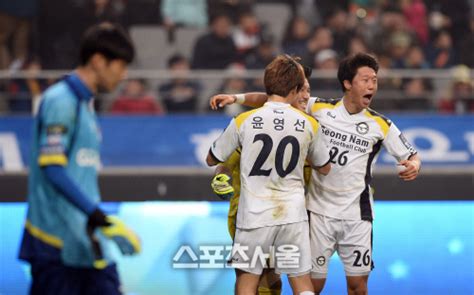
x,y
65,133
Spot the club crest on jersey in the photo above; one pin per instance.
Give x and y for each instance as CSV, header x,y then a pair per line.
x,y
362,128
321,260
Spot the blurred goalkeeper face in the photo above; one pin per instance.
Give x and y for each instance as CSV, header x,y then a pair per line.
x,y
109,73
303,97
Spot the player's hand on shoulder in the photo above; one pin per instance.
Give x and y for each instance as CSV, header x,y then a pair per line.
x,y
411,171
221,100
222,186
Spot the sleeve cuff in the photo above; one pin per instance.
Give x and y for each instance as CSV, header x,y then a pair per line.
x,y
214,156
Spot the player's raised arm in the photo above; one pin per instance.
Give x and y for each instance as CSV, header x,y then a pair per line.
x,y
250,99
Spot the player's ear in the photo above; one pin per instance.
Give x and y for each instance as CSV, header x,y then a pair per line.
x,y
347,84
294,91
97,61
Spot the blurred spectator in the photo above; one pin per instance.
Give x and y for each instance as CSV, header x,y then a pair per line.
x,y
460,98
264,54
441,53
136,99
355,45
327,7
399,43
98,11
234,85
232,8
338,22
451,15
179,94
392,31
417,19
143,12
415,59
24,94
247,35
216,49
326,59
417,90
192,13
466,55
296,36
308,10
15,25
320,39
60,24
386,83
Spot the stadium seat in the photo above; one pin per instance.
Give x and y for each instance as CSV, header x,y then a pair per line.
x,y
275,16
185,39
152,47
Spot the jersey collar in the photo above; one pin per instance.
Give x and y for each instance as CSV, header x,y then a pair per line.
x,y
82,90
277,103
343,107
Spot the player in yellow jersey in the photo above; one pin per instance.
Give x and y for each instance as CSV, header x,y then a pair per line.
x,y
228,188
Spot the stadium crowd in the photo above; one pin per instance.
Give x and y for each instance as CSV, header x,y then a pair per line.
x,y
403,34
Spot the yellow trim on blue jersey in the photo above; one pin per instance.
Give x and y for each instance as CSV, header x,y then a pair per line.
x,y
382,123
58,159
100,264
242,117
43,236
323,105
313,121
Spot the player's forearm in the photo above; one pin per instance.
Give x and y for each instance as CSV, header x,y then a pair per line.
x,y
211,160
223,169
255,99
57,175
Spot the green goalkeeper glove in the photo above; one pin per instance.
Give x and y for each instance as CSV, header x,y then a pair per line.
x,y
127,241
222,187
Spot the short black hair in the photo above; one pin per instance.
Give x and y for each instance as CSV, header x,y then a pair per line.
x,y
108,39
176,58
307,71
348,66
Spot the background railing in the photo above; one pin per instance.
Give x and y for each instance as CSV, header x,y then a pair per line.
x,y
396,92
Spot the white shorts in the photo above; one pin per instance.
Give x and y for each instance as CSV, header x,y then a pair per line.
x,y
352,239
283,247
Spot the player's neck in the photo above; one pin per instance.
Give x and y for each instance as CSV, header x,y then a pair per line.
x,y
350,106
88,77
277,98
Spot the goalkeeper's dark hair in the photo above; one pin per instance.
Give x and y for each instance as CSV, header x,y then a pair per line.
x,y
108,39
348,67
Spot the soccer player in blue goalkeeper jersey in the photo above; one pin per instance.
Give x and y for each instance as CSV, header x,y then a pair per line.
x,y
67,238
